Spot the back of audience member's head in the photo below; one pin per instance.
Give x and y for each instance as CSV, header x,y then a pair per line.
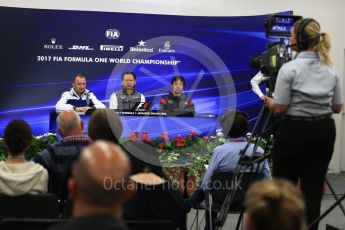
x,y
234,123
99,175
105,124
17,137
276,204
69,122
144,158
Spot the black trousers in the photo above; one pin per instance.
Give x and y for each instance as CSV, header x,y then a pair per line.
x,y
303,150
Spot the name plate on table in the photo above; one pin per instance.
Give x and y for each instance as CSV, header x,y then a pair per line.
x,y
155,122
154,113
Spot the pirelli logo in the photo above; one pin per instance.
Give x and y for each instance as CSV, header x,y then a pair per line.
x,y
113,48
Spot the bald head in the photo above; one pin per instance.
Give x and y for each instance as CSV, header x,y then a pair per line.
x,y
100,174
69,123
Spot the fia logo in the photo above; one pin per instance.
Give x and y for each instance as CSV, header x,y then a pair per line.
x,y
112,34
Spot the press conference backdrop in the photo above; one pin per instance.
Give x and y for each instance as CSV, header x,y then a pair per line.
x,y
41,50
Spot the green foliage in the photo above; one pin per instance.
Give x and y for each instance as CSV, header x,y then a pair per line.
x,y
265,144
2,150
187,153
197,153
38,144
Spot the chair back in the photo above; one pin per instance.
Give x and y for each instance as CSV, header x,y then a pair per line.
x,y
28,224
41,206
67,208
225,182
150,224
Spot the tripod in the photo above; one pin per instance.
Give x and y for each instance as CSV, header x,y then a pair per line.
x,y
335,195
245,163
338,202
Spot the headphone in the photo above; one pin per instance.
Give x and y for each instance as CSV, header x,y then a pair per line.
x,y
302,36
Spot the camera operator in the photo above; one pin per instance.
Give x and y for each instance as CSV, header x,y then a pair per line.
x,y
307,92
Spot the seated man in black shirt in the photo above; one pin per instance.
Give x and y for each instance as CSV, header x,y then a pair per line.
x,y
177,100
155,198
97,188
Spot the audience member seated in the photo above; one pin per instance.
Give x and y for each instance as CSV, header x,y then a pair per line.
x,y
105,124
274,205
17,175
98,189
155,197
57,158
225,157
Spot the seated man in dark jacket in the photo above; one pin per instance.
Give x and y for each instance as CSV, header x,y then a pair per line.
x,y
177,100
57,158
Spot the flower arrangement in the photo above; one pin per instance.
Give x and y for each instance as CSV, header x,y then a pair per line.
x,y
38,144
186,156
182,154
265,143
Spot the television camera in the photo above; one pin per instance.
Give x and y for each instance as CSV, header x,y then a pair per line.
x,y
279,52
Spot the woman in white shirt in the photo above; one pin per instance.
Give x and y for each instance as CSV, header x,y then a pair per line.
x,y
17,175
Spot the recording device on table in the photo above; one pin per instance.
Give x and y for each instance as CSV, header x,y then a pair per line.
x,y
268,62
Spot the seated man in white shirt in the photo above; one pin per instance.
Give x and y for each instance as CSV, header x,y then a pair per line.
x,y
78,98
